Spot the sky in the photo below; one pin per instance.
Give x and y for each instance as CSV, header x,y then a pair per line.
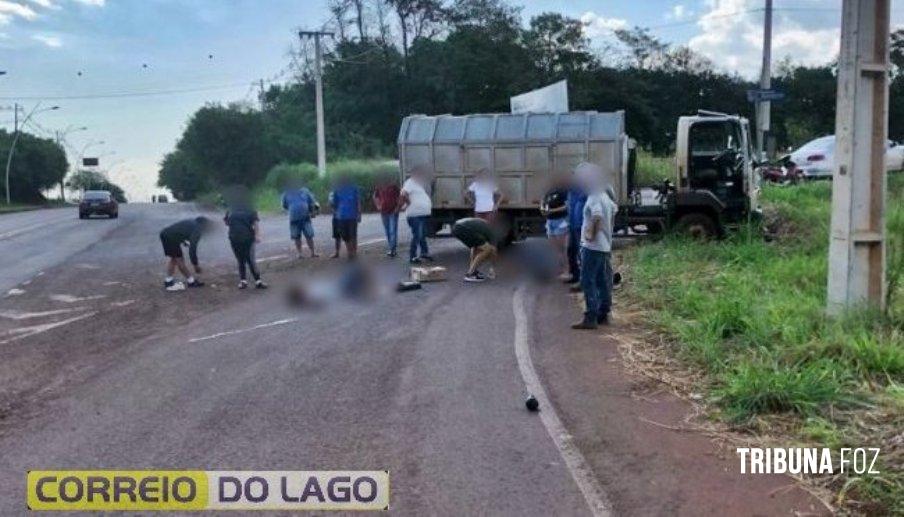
x,y
133,71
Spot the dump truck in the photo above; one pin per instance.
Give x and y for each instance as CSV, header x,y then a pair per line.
x,y
714,186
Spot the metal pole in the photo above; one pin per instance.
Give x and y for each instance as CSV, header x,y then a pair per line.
x,y
59,141
857,251
318,90
321,135
764,108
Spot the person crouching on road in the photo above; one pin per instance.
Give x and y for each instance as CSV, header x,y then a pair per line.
x,y
302,206
347,212
479,237
596,247
417,205
173,237
244,232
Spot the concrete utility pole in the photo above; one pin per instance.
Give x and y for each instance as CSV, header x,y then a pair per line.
x,y
764,108
318,78
857,241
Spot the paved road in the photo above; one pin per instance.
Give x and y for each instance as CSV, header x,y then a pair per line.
x,y
400,383
100,368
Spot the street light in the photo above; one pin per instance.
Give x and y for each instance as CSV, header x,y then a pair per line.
x,y
16,133
92,143
61,141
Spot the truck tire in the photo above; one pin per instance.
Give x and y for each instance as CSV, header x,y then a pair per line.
x,y
697,226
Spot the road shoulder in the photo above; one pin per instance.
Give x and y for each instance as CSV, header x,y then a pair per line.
x,y
633,432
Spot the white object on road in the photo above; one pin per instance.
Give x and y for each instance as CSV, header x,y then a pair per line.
x,y
583,476
428,274
15,292
21,315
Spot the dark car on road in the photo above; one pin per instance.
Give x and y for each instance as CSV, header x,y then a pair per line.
x,y
98,202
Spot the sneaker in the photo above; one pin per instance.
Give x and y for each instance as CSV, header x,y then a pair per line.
x,y
195,283
428,258
415,260
475,277
168,283
586,324
175,286
260,285
243,284
604,320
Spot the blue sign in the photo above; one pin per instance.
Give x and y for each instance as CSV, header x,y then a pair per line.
x,y
765,95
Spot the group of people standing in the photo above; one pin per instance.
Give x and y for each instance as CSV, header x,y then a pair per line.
x,y
579,209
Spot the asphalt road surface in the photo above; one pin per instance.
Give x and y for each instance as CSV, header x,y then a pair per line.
x,y
100,368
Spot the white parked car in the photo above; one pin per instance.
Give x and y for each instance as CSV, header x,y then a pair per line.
x,y
816,158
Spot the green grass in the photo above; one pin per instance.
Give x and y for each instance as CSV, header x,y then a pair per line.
x,y
652,169
363,172
751,314
22,207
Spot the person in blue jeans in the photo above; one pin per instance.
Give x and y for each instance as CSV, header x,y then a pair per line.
x,y
596,249
386,200
301,205
575,203
418,206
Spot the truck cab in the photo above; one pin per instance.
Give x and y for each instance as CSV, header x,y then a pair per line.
x,y
715,173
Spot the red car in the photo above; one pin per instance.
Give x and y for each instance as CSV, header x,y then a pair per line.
x,y
99,202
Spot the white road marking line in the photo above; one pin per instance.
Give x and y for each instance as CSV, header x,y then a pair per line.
x,y
580,470
15,292
20,315
68,298
371,241
25,332
12,233
123,304
274,257
240,331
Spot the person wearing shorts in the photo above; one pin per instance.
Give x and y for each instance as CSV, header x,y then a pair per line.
x,y
479,237
347,214
555,208
172,238
301,205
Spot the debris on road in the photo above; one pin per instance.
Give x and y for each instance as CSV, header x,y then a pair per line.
x,y
405,286
532,403
428,274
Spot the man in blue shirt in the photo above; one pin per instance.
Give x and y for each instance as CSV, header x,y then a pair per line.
x,y
576,199
346,201
301,205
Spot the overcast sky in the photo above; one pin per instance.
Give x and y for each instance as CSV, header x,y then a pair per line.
x,y
189,52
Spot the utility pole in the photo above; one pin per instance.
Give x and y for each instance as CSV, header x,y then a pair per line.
x,y
857,241
59,142
318,79
12,149
764,108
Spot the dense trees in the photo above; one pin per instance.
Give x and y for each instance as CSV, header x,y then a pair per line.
x,y
398,57
39,164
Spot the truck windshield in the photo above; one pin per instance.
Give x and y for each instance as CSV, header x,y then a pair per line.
x,y
714,137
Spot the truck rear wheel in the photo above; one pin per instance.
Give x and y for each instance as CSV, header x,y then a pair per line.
x,y
697,226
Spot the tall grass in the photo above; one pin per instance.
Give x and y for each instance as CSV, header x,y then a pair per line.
x,y
751,314
652,169
364,173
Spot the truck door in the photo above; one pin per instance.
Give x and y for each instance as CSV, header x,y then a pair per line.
x,y
716,160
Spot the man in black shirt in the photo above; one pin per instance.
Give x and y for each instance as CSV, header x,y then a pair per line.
x,y
173,237
480,237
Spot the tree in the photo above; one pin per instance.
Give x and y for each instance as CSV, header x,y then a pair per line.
x,y
647,51
557,46
181,178
38,165
93,180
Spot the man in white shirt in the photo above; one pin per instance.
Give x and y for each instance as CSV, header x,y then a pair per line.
x,y
484,195
417,205
596,247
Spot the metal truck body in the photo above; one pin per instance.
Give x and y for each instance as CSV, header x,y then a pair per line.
x,y
524,151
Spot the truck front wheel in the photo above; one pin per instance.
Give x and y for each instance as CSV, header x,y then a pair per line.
x,y
697,226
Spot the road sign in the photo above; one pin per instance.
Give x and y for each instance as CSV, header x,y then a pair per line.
x,y
90,162
765,95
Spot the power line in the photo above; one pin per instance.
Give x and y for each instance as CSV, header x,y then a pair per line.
x,y
117,95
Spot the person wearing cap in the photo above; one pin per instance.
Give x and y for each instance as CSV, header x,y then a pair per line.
x,y
596,246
